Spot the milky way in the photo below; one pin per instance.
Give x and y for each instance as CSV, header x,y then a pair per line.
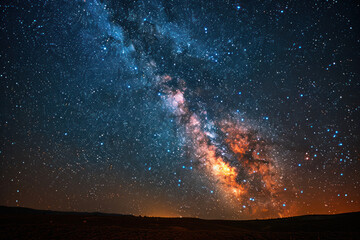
x,y
211,109
237,161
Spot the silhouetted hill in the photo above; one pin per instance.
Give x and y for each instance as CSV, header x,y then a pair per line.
x,y
25,223
22,210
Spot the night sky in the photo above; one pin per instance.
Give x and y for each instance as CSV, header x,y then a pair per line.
x,y
211,109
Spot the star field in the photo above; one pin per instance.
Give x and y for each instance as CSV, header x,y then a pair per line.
x,y
211,109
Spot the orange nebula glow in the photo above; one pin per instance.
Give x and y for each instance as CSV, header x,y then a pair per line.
x,y
248,154
248,158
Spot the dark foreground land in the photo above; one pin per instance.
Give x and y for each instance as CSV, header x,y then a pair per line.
x,y
23,223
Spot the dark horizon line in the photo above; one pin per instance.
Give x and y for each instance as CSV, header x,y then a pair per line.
x,y
27,210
